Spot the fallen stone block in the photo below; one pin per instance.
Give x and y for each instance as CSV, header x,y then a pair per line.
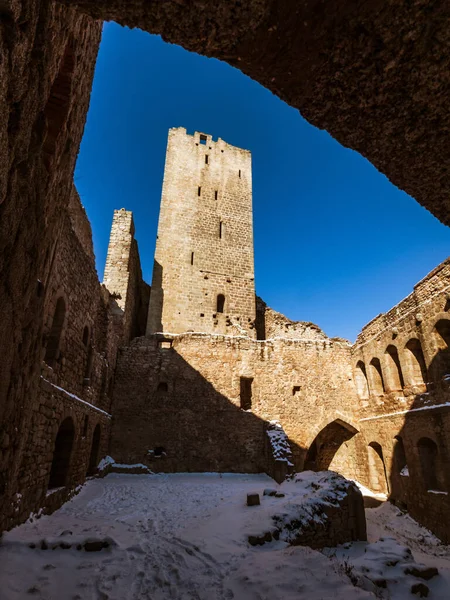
x,y
253,500
422,571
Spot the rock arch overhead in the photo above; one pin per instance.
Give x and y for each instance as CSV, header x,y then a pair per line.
x,y
372,74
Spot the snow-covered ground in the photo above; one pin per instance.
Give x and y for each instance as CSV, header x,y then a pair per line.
x,y
184,536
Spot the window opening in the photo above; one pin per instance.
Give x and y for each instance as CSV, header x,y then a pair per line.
x,y
86,335
428,455
220,303
61,454
395,368
295,390
54,338
221,230
206,159
203,139
199,191
246,392
215,195
239,172
192,258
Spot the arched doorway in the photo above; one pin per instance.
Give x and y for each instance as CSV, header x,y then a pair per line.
x,y
322,453
377,469
95,447
61,454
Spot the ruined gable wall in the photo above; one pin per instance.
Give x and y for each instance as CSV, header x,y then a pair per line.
x,y
411,406
46,73
205,239
272,324
198,419
123,276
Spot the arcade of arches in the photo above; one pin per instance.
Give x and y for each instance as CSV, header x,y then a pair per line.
x,y
373,75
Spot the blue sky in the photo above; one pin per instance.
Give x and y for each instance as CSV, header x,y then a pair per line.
x,y
335,242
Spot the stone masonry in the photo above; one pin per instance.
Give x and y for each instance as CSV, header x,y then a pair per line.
x,y
203,274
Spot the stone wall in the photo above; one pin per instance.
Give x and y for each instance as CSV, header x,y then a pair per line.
x,y
272,324
48,57
123,275
206,400
401,360
204,247
78,361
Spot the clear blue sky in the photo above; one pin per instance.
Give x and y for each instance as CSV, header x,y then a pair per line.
x,y
335,242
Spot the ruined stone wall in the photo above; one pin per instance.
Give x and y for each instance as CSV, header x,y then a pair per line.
x,y
401,360
272,324
49,54
123,276
204,246
75,379
184,394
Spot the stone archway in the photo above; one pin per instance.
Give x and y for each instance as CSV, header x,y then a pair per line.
x,y
62,454
324,449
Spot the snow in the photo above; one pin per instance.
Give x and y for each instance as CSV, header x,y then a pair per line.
x,y
279,442
74,397
184,536
403,412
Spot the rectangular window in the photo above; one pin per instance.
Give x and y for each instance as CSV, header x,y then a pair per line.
x,y
295,390
203,139
239,172
246,393
221,230
215,195
192,258
206,159
199,191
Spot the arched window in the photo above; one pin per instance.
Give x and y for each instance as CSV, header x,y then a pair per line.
x,y
54,337
220,303
400,463
85,336
377,376
395,369
361,380
58,104
377,468
95,447
428,456
61,454
442,328
418,368
441,362
88,367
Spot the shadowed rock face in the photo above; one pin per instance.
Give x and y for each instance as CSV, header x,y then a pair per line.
x,y
374,74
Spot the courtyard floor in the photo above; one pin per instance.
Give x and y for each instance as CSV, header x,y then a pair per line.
x,y
184,536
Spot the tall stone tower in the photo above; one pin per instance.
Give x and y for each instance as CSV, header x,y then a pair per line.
x,y
203,275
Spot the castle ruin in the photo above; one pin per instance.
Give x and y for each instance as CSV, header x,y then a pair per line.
x,y
190,374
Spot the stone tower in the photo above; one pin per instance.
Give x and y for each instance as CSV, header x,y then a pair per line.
x,y
203,275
